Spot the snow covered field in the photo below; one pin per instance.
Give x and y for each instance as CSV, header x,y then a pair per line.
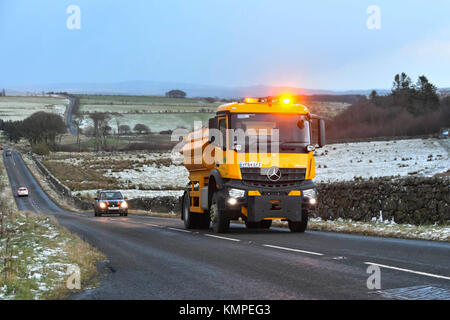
x,y
415,157
20,107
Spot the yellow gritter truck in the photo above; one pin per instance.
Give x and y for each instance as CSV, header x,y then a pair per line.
x,y
254,160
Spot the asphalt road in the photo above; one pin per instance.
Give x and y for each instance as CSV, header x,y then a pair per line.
x,y
72,129
155,258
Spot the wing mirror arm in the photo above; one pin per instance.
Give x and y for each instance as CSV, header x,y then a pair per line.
x,y
322,139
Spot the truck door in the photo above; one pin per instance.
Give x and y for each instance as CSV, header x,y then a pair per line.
x,y
222,145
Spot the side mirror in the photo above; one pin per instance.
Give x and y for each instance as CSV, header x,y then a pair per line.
x,y
322,141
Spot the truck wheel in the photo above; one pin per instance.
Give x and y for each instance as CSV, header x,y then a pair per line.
x,y
204,220
299,226
220,223
265,224
189,218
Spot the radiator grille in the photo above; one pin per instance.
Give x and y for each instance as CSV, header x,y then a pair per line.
x,y
289,177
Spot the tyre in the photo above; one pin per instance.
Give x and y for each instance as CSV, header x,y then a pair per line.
x,y
204,220
219,220
189,218
265,224
299,226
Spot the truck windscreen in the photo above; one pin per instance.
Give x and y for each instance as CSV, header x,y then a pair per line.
x,y
293,129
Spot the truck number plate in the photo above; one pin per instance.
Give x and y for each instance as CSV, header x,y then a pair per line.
x,y
250,164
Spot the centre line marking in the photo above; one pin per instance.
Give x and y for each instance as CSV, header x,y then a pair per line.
x,y
295,250
410,271
151,225
175,229
219,237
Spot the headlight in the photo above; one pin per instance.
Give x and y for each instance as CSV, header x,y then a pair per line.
x,y
124,205
102,205
310,193
236,193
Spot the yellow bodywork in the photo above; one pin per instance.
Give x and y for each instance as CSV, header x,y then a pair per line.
x,y
201,156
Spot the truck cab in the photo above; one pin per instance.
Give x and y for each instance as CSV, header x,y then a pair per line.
x,y
253,161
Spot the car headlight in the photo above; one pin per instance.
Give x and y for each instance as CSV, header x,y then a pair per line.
x,y
102,205
310,193
124,205
236,193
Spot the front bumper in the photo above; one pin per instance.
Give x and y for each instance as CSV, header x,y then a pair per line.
x,y
267,206
112,211
271,203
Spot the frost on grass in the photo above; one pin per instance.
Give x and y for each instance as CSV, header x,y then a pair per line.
x,y
383,228
35,257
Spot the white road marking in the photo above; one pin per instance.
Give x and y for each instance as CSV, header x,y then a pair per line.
x,y
295,250
410,271
150,224
175,229
219,237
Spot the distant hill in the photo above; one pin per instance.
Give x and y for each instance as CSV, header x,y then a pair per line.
x,y
193,90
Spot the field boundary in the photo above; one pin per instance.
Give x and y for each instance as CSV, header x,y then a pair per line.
x,y
61,189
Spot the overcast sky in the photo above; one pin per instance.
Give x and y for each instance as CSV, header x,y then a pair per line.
x,y
309,44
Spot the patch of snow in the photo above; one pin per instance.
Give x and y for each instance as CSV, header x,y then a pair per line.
x,y
345,161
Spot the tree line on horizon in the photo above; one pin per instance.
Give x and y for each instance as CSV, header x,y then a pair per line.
x,y
410,109
41,130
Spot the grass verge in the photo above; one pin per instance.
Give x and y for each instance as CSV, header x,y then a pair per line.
x,y
37,254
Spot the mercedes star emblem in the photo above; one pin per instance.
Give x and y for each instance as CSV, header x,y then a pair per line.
x,y
274,174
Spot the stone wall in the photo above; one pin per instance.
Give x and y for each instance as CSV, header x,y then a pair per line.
x,y
60,188
158,204
413,200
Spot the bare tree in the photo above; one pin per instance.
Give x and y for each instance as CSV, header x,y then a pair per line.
x,y
141,128
117,118
100,120
77,121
